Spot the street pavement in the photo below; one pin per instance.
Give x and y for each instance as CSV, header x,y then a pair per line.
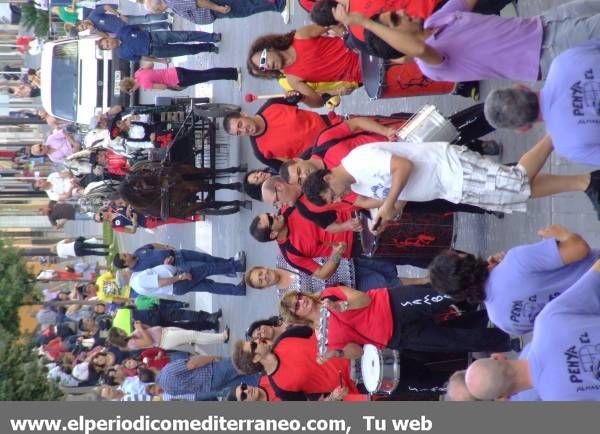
x,y
223,236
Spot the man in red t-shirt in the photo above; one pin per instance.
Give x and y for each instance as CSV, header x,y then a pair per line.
x,y
304,56
278,131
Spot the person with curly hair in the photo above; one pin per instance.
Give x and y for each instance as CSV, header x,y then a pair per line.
x,y
515,287
306,55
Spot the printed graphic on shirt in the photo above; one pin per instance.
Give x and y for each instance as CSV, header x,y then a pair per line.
x,y
585,95
380,191
582,361
524,312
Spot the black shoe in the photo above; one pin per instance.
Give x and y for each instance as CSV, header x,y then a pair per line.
x,y
491,147
217,37
593,191
216,326
218,314
214,49
228,334
516,344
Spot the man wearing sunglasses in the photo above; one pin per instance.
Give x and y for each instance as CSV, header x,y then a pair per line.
x,y
291,365
270,129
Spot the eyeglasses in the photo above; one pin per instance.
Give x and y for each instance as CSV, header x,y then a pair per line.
x,y
243,394
299,298
271,220
262,63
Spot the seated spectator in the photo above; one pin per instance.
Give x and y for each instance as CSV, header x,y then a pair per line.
x,y
58,146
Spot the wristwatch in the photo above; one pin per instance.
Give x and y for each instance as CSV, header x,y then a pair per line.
x,y
344,305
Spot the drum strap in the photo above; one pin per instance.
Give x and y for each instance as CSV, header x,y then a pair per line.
x,y
340,318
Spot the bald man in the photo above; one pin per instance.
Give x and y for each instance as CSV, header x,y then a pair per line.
x,y
563,362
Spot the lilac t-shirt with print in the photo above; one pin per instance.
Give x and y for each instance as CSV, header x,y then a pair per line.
x,y
479,47
564,358
528,278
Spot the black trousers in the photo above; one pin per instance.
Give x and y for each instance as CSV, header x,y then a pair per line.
x,y
88,249
190,77
416,329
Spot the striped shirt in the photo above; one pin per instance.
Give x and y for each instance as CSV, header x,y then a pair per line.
x,y
188,10
176,379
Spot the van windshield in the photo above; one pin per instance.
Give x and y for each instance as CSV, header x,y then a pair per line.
x,y
64,81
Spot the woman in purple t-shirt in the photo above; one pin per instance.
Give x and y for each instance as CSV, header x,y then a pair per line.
x,y
175,78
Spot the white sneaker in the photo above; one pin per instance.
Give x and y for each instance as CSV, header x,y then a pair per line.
x,y
286,13
238,82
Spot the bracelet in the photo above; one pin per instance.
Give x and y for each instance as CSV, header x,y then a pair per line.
x,y
336,257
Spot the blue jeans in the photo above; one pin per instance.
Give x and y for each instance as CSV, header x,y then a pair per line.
x,y
374,273
225,377
146,19
200,283
245,8
173,44
186,259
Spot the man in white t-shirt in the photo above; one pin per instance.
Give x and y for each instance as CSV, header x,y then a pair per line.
x,y
384,173
80,247
165,279
59,186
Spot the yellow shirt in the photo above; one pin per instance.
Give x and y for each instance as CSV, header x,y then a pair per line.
x,y
109,291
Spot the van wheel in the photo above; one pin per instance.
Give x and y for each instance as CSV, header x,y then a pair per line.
x,y
215,110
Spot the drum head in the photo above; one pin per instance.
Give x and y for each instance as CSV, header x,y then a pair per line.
x,y
371,68
370,364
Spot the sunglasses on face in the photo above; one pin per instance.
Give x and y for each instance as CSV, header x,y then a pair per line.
x,y
243,393
262,63
253,347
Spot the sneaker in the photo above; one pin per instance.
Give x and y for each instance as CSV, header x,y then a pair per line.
x,y
286,12
217,37
241,258
516,344
238,80
491,147
593,191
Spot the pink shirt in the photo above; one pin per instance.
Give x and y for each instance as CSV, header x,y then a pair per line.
x,y
60,148
148,77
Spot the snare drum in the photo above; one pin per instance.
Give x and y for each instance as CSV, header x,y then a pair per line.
x,y
392,80
415,236
380,369
428,125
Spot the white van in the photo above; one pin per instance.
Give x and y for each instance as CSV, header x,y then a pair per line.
x,y
80,80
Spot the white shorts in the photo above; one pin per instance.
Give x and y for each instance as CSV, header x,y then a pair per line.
x,y
493,186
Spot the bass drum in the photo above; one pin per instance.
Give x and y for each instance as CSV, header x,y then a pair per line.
x,y
392,80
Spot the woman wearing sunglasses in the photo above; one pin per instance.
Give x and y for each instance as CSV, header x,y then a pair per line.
x,y
264,392
306,55
405,318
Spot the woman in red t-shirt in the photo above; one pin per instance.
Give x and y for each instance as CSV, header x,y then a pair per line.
x,y
405,317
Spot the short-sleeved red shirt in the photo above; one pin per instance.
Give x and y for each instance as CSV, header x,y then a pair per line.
x,y
373,324
264,383
414,8
307,240
289,130
298,370
324,59
325,215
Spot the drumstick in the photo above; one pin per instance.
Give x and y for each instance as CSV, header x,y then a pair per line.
x,y
250,97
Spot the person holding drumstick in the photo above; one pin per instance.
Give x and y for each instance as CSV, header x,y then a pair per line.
x,y
456,44
403,318
388,174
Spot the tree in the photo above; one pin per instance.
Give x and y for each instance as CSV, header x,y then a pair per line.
x,y
22,375
16,286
